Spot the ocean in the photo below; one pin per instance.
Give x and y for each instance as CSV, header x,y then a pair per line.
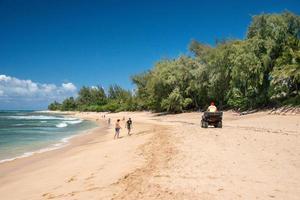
x,y
23,133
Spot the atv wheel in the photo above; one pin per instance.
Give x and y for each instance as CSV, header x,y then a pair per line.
x,y
220,125
205,124
202,123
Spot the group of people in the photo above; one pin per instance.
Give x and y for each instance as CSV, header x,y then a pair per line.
x,y
118,127
128,124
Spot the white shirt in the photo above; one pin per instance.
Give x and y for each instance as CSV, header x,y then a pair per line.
x,y
212,109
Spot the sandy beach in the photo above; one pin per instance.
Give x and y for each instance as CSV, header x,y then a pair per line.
x,y
255,156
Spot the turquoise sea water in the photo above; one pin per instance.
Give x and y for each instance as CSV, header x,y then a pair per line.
x,y
24,132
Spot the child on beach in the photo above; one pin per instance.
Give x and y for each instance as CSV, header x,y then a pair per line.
x,y
117,129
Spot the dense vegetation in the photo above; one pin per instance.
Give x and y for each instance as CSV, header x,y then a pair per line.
x,y
95,99
261,70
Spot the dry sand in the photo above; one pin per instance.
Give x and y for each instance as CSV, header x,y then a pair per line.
x,y
254,156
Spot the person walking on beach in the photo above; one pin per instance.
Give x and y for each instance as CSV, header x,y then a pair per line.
x,y
117,129
129,125
108,121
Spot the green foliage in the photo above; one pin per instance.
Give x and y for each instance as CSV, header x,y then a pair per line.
x,y
286,74
112,106
242,74
263,69
293,101
95,99
279,36
174,102
54,106
246,76
141,96
91,96
171,85
68,104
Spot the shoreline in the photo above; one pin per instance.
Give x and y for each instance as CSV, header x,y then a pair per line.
x,y
63,142
61,145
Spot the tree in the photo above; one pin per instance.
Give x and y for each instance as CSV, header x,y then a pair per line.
x,y
69,104
285,80
120,99
141,94
91,97
54,106
273,34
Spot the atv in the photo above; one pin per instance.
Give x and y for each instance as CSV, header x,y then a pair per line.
x,y
212,119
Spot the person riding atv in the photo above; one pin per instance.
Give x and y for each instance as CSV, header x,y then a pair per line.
x,y
212,107
212,117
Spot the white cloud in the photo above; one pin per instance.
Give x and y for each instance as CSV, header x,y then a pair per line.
x,y
4,78
94,87
16,90
69,87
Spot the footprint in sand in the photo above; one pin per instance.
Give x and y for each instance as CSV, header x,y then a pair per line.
x,y
90,177
73,178
48,196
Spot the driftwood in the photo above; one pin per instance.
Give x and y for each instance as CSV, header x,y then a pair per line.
x,y
285,110
248,112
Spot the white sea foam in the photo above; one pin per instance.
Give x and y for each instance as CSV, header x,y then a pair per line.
x,y
34,117
62,125
11,159
63,142
27,154
73,122
66,139
64,122
69,118
19,124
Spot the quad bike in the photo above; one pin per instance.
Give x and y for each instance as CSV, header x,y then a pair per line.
x,y
212,119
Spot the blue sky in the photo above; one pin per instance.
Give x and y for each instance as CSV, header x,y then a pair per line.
x,y
54,42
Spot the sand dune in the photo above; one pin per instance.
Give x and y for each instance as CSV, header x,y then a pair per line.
x,y
254,156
